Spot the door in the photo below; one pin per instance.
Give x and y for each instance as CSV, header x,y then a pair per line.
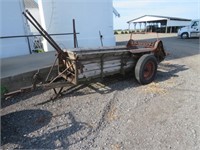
x,y
195,31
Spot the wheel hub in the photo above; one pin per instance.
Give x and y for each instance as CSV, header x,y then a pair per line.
x,y
149,70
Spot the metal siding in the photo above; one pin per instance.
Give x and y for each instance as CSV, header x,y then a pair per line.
x,y
12,25
174,23
90,16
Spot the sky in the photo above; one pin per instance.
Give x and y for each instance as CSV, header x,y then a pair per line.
x,y
131,9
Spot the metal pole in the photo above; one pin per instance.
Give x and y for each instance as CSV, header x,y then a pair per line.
x,y
52,44
18,36
166,29
135,27
46,35
29,46
170,29
146,27
74,32
101,37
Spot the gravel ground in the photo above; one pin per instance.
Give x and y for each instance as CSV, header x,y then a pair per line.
x,y
117,114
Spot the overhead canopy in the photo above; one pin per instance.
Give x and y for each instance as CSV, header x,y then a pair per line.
x,y
149,18
116,12
152,23
168,21
146,19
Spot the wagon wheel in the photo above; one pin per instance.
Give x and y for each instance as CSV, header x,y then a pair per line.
x,y
146,68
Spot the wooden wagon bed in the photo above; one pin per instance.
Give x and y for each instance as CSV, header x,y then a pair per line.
x,y
84,64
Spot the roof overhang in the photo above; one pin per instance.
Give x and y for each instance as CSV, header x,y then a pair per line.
x,y
117,14
147,19
154,18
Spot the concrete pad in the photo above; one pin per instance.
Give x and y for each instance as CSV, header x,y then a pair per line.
x,y
17,72
26,63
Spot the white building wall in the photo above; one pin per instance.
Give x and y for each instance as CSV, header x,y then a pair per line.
x,y
12,24
175,23
91,16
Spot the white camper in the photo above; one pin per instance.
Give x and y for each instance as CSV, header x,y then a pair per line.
x,y
193,30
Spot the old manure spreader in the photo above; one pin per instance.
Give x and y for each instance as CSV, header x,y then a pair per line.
x,y
80,65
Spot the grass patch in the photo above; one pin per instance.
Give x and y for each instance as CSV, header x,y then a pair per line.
x,y
38,51
4,90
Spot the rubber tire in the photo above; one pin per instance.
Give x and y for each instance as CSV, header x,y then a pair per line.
x,y
140,68
184,35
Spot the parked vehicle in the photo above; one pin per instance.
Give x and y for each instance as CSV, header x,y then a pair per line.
x,y
193,30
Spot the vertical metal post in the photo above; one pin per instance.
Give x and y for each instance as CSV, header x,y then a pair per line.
x,y
35,23
74,33
135,27
170,29
29,46
146,27
101,37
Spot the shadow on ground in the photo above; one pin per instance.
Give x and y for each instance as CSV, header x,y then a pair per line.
x,y
17,128
167,70
108,85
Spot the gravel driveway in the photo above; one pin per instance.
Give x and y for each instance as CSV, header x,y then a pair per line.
x,y
117,114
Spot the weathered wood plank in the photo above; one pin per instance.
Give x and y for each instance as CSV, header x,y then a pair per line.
x,y
98,52
107,64
108,55
105,58
86,50
100,62
89,74
95,52
110,69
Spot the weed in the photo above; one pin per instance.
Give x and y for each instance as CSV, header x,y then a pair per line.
x,y
4,90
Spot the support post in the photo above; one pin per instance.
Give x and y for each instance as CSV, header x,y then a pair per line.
x,y
170,29
74,32
146,27
135,27
29,46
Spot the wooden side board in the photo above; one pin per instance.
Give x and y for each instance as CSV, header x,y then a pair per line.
x,y
99,62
